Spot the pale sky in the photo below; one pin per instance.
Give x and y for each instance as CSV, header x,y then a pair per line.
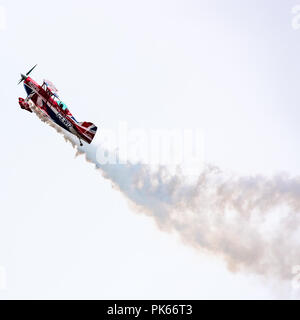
x,y
230,68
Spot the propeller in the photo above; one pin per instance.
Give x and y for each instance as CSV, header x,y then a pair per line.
x,y
23,77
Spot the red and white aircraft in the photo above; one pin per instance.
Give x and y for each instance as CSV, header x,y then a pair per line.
x,y
46,99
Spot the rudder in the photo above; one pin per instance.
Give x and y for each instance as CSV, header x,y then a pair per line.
x,y
89,130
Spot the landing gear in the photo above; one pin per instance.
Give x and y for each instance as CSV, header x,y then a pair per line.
x,y
29,96
24,104
81,144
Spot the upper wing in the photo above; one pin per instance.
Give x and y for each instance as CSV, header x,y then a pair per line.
x,y
51,86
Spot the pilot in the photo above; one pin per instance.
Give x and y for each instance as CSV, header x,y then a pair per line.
x,y
63,106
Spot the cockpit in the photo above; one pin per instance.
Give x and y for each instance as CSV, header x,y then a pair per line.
x,y
49,87
62,105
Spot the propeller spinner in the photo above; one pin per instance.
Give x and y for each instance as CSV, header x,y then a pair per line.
x,y
23,77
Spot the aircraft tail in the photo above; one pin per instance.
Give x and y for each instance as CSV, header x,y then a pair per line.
x,y
88,129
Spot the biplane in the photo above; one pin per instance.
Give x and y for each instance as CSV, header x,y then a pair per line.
x,y
46,99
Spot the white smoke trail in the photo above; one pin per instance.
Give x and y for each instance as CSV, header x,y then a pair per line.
x,y
252,222
45,119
